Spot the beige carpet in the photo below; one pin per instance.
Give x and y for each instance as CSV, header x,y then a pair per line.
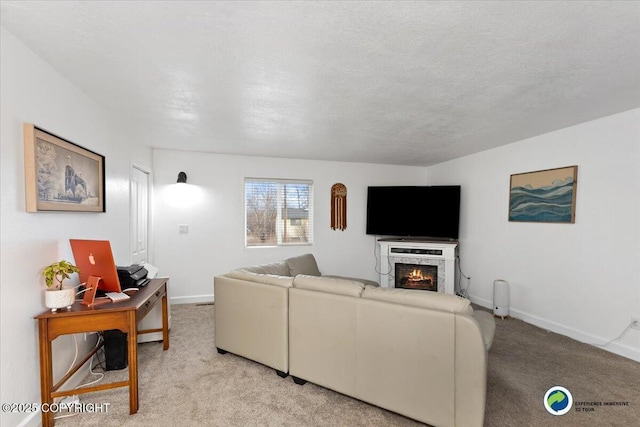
x,y
192,385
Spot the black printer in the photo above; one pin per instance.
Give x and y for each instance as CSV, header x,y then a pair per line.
x,y
133,276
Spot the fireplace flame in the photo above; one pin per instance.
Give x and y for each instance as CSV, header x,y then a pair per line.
x,y
412,276
416,276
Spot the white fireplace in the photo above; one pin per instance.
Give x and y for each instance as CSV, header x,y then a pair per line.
x,y
416,253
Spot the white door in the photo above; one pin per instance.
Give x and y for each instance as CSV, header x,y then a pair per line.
x,y
139,216
140,190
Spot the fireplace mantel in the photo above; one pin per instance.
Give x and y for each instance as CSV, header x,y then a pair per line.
x,y
440,253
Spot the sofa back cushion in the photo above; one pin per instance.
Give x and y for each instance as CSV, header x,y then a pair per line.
x,y
406,360
269,279
303,264
420,298
365,282
329,284
277,268
251,320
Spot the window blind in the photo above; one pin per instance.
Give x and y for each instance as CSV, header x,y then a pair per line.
x,y
278,212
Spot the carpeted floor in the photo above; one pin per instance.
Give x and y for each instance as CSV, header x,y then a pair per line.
x,y
192,385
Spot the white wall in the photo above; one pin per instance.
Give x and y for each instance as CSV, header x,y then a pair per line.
x,y
580,280
32,91
212,204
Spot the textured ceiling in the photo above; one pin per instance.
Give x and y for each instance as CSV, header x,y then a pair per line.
x,y
413,83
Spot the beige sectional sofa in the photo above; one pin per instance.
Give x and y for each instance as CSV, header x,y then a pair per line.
x,y
252,311
418,353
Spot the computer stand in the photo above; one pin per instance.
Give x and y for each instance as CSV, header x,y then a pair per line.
x,y
90,292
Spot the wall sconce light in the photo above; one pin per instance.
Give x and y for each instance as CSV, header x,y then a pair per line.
x,y
182,177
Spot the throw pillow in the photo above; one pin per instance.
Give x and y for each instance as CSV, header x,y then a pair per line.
x,y
303,264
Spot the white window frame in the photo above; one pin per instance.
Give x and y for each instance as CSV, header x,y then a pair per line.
x,y
279,209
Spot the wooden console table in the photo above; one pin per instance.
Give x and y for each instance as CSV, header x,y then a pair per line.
x,y
123,315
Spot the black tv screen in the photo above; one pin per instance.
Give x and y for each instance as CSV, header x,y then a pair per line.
x,y
414,211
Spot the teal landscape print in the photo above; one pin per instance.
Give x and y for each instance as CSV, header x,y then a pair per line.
x,y
544,196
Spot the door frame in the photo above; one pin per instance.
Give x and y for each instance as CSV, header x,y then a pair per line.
x,y
149,172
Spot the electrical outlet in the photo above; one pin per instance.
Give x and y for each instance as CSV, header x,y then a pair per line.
x,y
183,228
635,322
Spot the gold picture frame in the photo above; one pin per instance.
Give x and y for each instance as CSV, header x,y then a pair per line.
x,y
60,175
544,196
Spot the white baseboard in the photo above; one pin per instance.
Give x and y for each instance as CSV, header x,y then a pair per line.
x,y
482,302
34,419
192,299
583,337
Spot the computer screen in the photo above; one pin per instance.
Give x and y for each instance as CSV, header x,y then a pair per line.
x,y
94,258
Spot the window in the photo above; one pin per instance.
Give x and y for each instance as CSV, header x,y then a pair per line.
x,y
278,212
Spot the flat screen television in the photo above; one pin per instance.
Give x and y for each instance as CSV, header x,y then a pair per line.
x,y
414,211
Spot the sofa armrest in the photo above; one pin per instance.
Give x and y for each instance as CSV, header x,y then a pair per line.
x,y
487,326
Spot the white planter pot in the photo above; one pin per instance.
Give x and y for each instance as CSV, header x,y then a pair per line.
x,y
56,298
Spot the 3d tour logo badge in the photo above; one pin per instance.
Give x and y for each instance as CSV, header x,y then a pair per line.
x,y
558,400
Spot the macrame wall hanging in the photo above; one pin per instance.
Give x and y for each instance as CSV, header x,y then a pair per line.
x,y
338,206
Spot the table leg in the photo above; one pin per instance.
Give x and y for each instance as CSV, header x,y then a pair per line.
x,y
133,363
165,323
46,372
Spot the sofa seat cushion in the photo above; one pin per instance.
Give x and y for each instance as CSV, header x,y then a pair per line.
x,y
275,268
329,285
487,326
269,279
419,298
365,282
303,264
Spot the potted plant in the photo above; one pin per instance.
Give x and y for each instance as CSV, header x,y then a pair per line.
x,y
54,276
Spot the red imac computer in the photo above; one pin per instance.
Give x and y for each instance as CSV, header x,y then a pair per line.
x,y
98,270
